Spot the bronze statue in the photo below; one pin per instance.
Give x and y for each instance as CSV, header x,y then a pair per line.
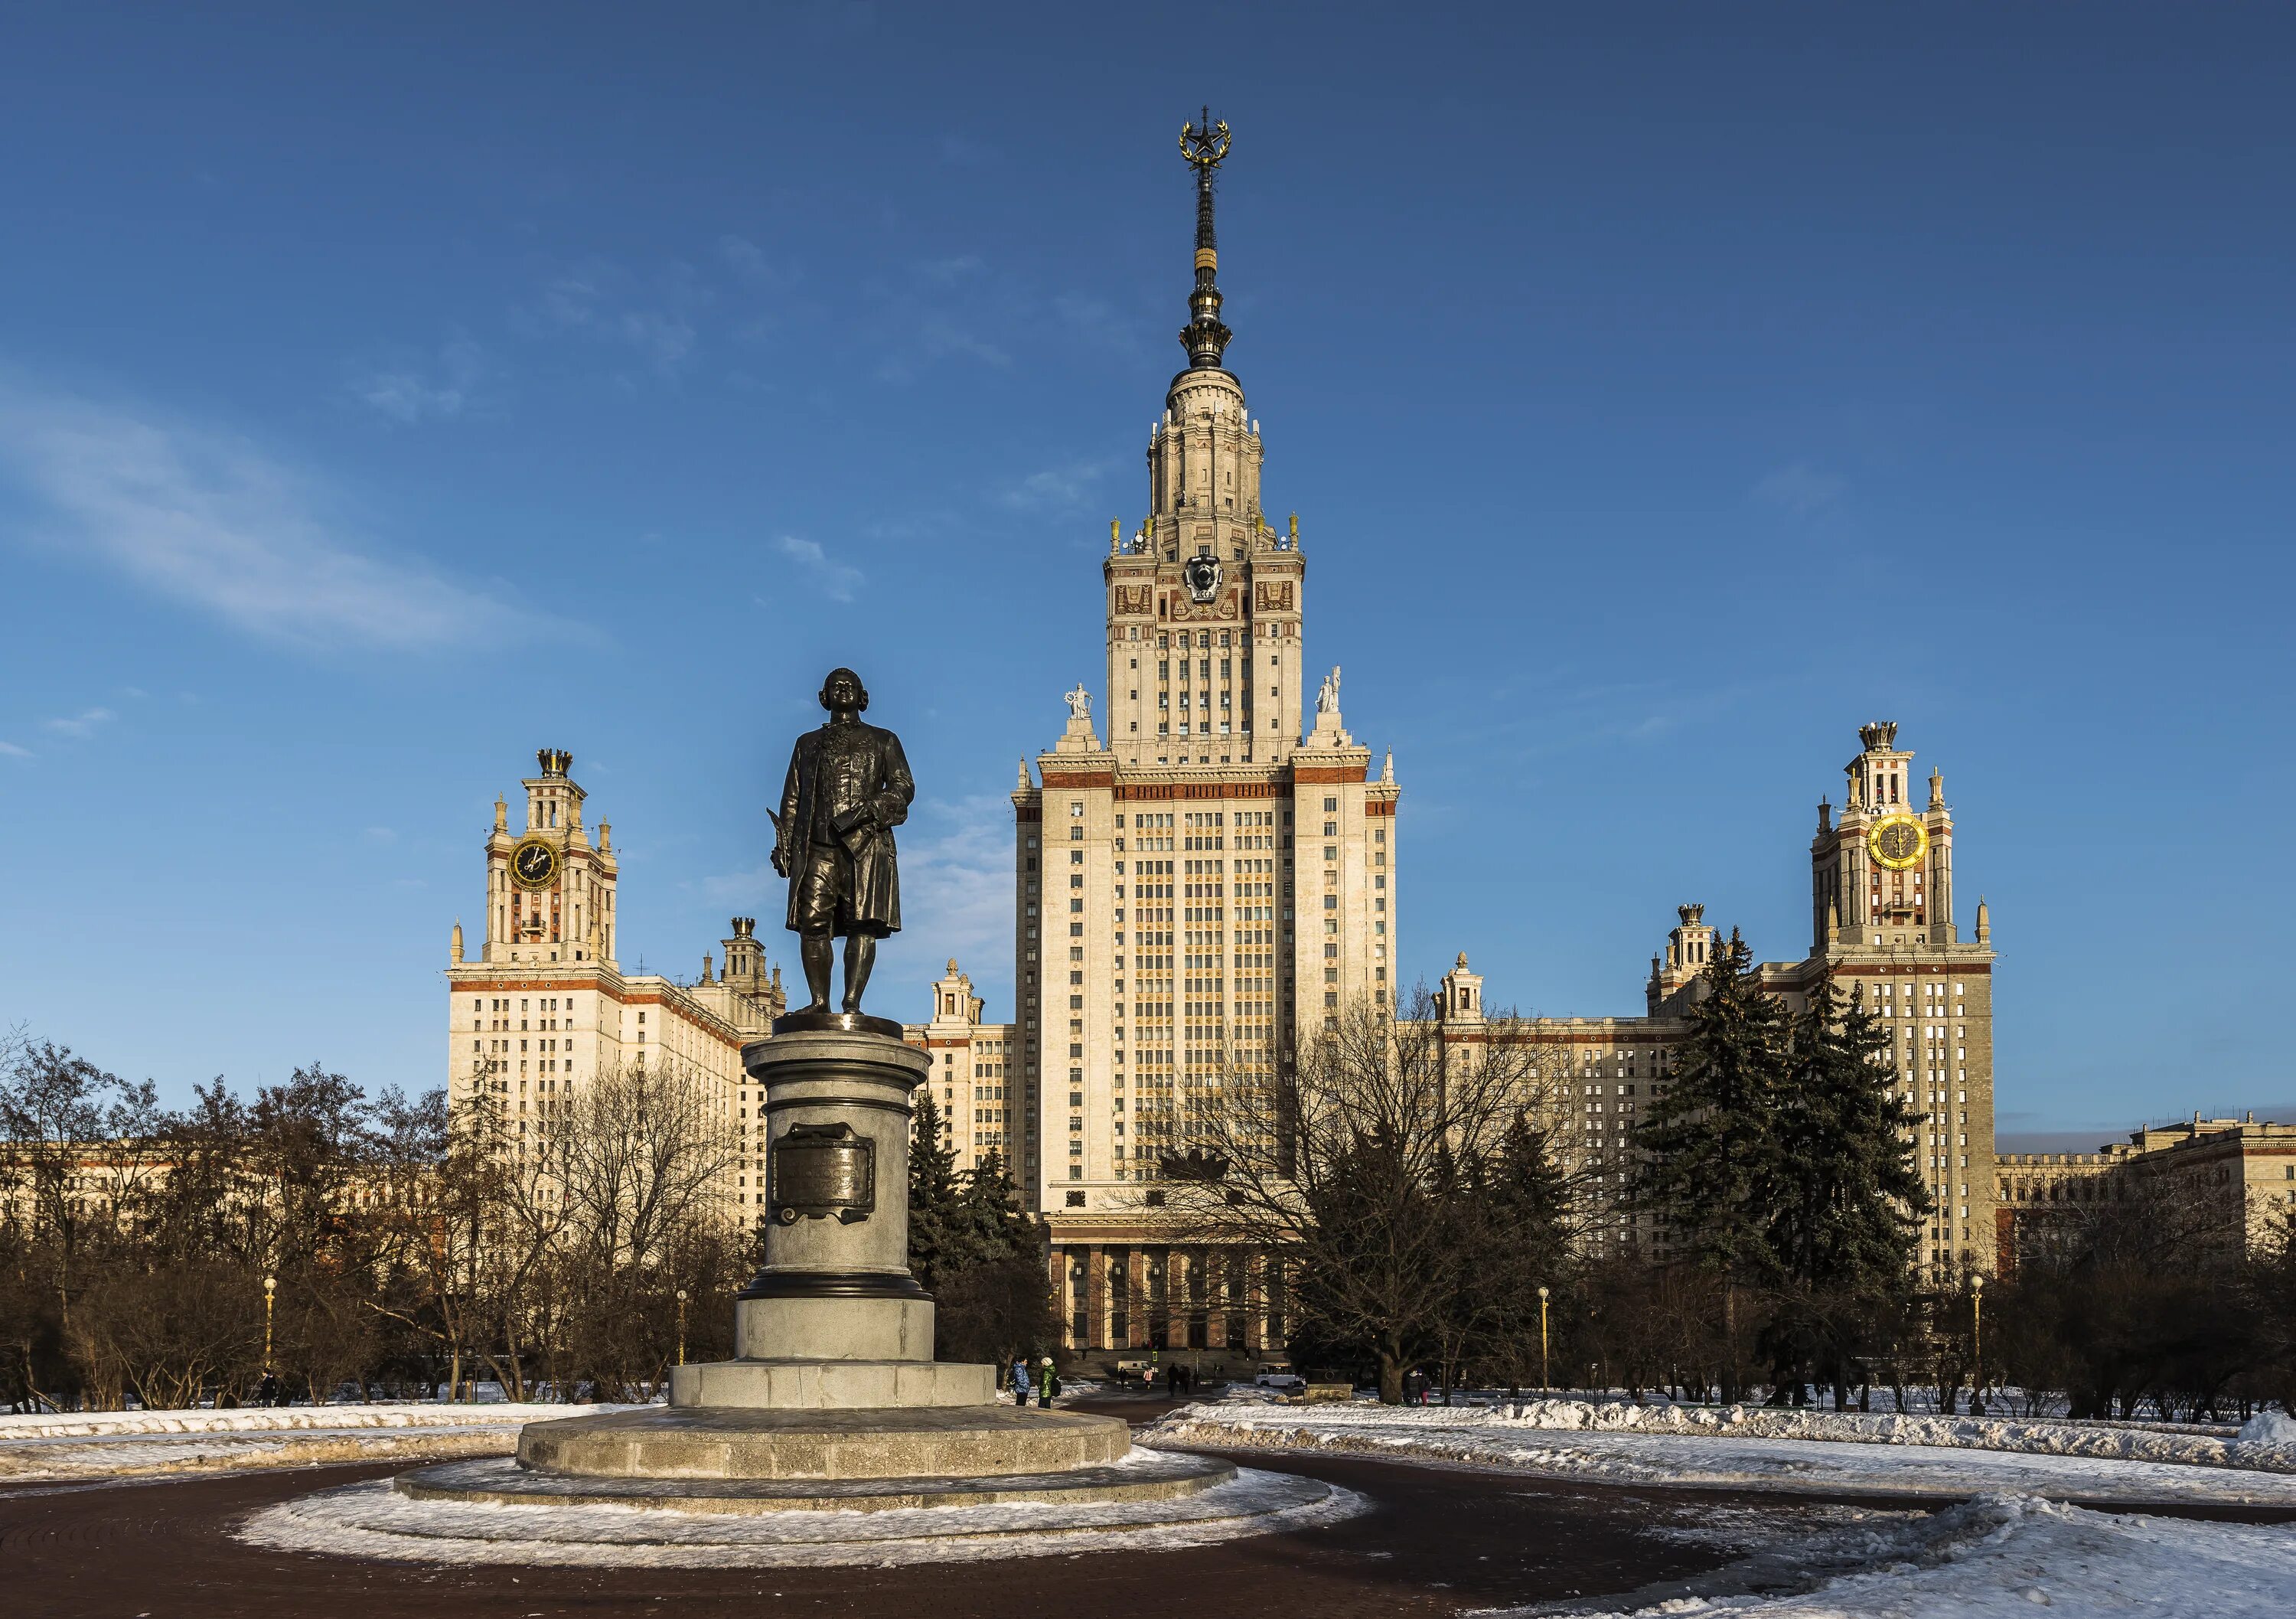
x,y
849,786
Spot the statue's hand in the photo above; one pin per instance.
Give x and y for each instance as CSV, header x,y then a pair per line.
x,y
781,861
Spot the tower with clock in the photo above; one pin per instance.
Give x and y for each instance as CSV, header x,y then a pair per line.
x,y
1884,922
550,891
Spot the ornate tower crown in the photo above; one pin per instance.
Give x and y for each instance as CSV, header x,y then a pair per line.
x,y
1691,915
1878,734
1205,338
554,761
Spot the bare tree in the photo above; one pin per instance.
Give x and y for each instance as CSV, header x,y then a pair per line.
x,y
1343,1172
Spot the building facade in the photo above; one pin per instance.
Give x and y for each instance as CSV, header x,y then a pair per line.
x,y
1207,879
2206,1184
974,1083
544,1008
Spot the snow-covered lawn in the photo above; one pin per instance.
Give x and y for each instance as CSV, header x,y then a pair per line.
x,y
2001,1555
1741,1446
133,1443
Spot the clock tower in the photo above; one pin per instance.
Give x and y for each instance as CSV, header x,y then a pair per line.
x,y
1883,923
550,891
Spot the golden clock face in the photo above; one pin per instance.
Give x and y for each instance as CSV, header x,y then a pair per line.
x,y
1898,842
534,864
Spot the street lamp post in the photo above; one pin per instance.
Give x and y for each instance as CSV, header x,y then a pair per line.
x,y
1545,1378
681,1326
270,1289
1976,1336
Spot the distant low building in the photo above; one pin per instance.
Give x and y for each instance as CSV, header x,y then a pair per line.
x,y
2211,1183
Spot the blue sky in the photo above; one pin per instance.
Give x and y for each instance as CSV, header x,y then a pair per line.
x,y
1663,390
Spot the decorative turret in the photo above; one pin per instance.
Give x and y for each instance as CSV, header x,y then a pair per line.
x,y
454,943
1459,998
1689,946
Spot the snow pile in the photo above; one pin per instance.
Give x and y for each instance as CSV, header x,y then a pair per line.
x,y
2009,1554
2269,1428
271,1419
2257,1447
1716,1456
114,1444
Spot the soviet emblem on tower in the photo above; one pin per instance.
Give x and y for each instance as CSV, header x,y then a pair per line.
x,y
1202,575
849,786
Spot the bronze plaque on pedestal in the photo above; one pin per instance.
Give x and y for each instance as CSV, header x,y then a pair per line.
x,y
820,1170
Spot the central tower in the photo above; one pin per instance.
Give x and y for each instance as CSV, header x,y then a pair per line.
x,y
1204,573
1197,892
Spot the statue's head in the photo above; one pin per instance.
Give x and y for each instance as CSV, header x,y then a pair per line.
x,y
843,690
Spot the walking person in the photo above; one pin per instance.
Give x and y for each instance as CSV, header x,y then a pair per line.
x,y
1021,1380
1047,1385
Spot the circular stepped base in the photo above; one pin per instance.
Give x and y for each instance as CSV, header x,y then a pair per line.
x,y
443,1521
1146,1476
679,1443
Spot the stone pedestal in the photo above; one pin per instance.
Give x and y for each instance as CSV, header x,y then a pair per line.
x,y
836,1380
834,1319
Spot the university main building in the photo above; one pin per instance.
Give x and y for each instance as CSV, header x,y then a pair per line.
x,y
1202,873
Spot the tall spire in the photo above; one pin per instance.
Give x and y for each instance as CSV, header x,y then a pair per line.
x,y
1203,145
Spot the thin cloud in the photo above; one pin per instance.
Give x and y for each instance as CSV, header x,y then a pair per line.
x,y
606,301
956,875
1096,321
208,519
9,750
1800,488
1057,488
751,888
82,725
752,264
437,389
836,581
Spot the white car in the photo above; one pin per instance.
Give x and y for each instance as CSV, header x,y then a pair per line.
x,y
1280,1383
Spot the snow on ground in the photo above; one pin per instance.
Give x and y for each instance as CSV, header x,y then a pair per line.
x,y
104,1444
371,1520
2261,1451
1719,1454
270,1418
2002,1555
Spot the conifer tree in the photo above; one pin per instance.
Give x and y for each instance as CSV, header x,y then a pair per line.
x,y
935,1240
1709,1148
1528,1204
1848,1199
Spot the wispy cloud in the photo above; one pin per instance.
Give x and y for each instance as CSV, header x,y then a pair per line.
x,y
211,520
751,887
9,750
83,724
941,313
752,264
1055,487
836,581
382,834
438,388
1800,488
653,317
1096,321
956,875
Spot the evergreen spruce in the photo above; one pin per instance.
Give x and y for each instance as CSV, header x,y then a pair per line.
x,y
1848,1200
1710,1148
935,1242
1528,1203
973,1247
